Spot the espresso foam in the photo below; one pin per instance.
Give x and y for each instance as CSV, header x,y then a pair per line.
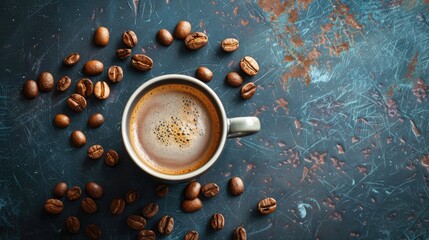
x,y
174,129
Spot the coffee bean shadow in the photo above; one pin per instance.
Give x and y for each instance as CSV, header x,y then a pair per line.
x,y
184,51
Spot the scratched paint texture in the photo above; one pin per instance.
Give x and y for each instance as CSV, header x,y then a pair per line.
x,y
342,98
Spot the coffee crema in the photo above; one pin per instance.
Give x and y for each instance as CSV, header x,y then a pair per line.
x,y
175,128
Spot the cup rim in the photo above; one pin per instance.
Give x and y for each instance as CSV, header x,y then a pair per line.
x,y
128,145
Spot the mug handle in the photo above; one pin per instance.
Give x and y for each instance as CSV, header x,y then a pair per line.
x,y
243,126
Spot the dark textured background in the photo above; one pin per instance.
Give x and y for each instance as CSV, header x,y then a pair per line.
x,y
360,63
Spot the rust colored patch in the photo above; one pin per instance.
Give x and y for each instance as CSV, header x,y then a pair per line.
x,y
391,90
414,128
244,22
420,89
201,24
340,149
412,66
351,21
275,6
298,125
362,169
284,81
304,3
281,102
304,173
235,11
427,1
288,58
293,15
425,161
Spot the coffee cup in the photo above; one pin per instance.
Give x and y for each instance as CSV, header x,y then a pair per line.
x,y
174,127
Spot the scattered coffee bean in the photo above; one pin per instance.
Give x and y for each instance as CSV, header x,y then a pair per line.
x,y
101,90
76,102
45,82
240,234
196,40
129,38
123,53
95,152
146,235
63,84
164,37
161,190
192,190
60,189
74,193
101,37
93,232
183,29
204,74
93,67
236,186
71,59
192,205
117,206
217,221
136,222
230,44
141,62
85,87
61,120
131,196
54,206
166,225
248,90
94,190
115,74
210,190
112,158
150,210
78,138
191,235
233,79
73,224
249,66
95,120
267,206
88,205
30,89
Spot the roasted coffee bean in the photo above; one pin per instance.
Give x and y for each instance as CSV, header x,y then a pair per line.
x,y
123,53
129,38
73,224
204,74
93,232
150,210
230,44
267,206
161,190
60,189
233,79
85,87
240,234
236,186
30,89
141,62
45,81
61,120
95,152
88,205
191,235
136,222
115,74
210,190
78,138
101,90
164,37
54,206
217,221
76,102
95,120
117,206
71,59
166,225
112,158
63,84
192,190
192,205
93,67
146,235
249,66
196,40
74,193
248,90
94,190
183,29
131,196
101,36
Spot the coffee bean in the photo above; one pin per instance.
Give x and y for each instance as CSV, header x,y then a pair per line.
x,y
230,44
164,37
45,82
183,29
71,59
192,205
115,74
93,232
192,190
196,40
240,234
76,102
249,66
95,152
233,79
30,89
217,221
117,206
101,90
236,186
93,67
61,120
166,225
161,190
129,38
95,120
131,196
136,222
248,90
210,190
94,190
123,53
112,158
146,235
191,235
88,205
78,138
267,206
101,37
74,193
63,84
85,87
204,74
54,206
150,210
73,224
141,62
60,189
